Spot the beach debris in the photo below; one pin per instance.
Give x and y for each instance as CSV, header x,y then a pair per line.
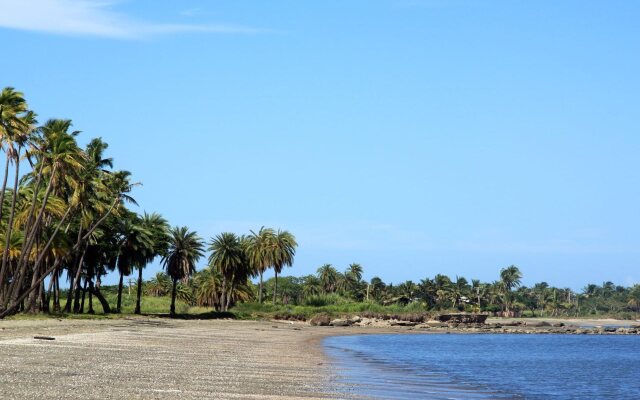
x,y
44,338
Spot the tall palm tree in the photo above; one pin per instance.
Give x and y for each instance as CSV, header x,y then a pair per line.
x,y
509,278
185,249
226,258
16,126
135,241
259,252
355,271
283,252
13,109
158,229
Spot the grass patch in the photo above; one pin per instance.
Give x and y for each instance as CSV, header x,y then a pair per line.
x,y
341,309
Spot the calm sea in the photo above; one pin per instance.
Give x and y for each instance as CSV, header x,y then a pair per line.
x,y
450,366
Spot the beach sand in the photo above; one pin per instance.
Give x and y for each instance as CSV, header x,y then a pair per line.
x,y
162,358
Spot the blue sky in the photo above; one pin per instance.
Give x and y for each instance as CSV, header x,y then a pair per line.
x,y
415,137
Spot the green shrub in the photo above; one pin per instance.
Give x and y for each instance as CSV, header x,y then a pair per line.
x,y
325,300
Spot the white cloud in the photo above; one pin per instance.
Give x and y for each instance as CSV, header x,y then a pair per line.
x,y
93,18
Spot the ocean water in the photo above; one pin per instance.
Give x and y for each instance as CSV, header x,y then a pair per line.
x,y
485,366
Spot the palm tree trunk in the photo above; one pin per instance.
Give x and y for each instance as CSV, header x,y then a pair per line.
x,y
76,299
4,186
90,311
119,303
30,235
172,310
275,288
33,297
105,304
260,291
223,299
44,300
84,293
139,297
76,282
5,255
56,293
231,288
15,303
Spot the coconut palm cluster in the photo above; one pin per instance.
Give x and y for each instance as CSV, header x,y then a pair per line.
x,y
65,225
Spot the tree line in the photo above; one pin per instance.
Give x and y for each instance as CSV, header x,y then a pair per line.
x,y
63,214
504,296
64,217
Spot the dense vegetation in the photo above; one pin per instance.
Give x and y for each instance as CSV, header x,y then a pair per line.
x,y
63,214
64,225
333,292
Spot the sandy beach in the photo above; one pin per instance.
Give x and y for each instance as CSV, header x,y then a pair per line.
x,y
159,358
162,358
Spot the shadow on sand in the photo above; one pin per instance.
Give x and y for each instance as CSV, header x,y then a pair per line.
x,y
205,315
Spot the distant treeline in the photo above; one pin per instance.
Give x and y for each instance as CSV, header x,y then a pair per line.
x,y
505,296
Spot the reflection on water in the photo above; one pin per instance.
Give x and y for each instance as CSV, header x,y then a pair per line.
x,y
441,366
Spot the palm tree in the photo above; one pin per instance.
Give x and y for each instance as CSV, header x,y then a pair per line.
x,y
185,249
158,229
353,278
509,278
135,242
259,252
376,287
311,286
227,258
16,125
159,285
328,277
283,252
208,284
13,109
633,300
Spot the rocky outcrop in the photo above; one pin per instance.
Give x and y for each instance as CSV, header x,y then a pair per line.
x,y
341,322
320,320
462,318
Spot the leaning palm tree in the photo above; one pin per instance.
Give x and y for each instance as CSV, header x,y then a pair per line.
x,y
283,252
185,249
509,279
